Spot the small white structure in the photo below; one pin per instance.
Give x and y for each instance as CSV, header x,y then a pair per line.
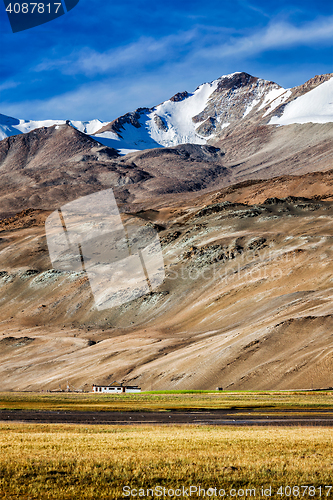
x,y
116,389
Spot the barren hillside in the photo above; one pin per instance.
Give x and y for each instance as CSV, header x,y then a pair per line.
x,y
247,301
48,167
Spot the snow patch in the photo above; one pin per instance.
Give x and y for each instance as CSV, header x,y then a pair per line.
x,y
108,135
277,101
249,108
261,95
271,95
133,138
178,117
124,152
89,127
315,106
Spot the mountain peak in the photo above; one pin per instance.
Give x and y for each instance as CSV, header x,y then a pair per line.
x,y
180,96
209,113
36,148
235,81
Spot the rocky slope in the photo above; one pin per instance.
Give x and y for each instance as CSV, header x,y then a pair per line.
x,y
48,167
246,303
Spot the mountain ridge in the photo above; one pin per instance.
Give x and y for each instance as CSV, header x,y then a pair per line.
x,y
206,115
49,167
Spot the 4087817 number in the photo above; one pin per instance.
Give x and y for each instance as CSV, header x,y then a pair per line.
x,y
302,491
33,8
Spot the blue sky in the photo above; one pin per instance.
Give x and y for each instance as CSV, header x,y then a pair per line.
x,y
103,58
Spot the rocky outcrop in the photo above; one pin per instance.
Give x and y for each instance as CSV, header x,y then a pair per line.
x,y
117,125
180,96
160,122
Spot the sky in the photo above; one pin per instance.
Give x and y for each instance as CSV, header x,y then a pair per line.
x,y
103,59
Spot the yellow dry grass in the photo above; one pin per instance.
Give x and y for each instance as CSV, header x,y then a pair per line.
x,y
95,462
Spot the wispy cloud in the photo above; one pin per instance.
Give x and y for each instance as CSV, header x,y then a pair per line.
x,y
255,8
8,85
92,100
276,36
195,45
146,50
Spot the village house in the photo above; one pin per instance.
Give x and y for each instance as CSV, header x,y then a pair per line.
x,y
116,388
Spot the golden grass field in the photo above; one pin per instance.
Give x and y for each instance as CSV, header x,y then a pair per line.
x,y
57,461
164,401
95,462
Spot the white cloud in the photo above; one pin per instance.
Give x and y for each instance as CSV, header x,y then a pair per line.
x,y
146,50
277,35
196,45
8,85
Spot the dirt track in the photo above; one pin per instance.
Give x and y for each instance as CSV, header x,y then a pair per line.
x,y
219,417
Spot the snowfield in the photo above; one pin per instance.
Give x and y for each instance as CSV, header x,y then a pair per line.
x,y
112,140
178,118
315,106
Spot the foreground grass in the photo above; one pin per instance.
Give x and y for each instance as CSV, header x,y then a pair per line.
x,y
167,401
94,462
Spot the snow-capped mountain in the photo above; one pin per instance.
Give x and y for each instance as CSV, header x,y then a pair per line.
x,y
192,117
215,109
209,113
12,126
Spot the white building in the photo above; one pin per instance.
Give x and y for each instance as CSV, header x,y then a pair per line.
x,y
116,389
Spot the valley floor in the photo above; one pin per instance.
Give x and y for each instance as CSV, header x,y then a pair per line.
x,y
86,462
199,408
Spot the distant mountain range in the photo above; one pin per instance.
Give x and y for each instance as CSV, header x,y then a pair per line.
x,y
210,113
237,128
